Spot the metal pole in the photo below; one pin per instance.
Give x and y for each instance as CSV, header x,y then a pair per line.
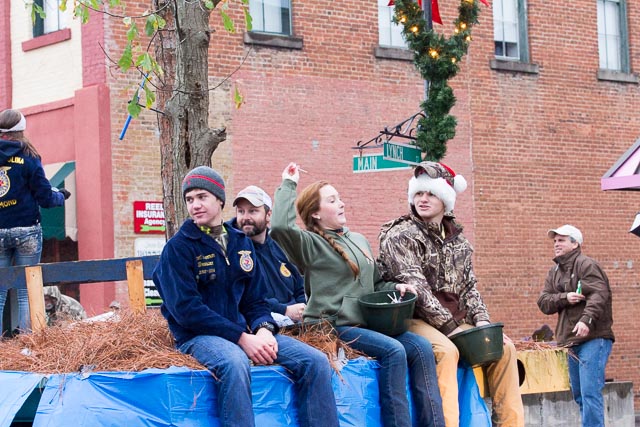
x,y
426,9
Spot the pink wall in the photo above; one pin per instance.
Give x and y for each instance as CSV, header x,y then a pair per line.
x,y
5,56
78,130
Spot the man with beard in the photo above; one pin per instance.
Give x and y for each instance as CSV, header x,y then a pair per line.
x,y
212,288
285,285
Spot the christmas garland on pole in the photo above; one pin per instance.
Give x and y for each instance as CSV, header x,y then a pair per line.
x,y
436,58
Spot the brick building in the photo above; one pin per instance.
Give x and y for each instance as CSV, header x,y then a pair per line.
x,y
547,103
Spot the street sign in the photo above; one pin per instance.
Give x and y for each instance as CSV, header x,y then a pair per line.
x,y
403,153
375,163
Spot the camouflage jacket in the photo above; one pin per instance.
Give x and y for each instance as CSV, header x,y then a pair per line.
x,y
441,269
65,308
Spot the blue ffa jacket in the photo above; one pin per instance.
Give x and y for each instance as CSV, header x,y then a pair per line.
x,y
205,292
23,187
285,285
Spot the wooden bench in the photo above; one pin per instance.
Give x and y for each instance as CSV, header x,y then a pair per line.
x,y
133,270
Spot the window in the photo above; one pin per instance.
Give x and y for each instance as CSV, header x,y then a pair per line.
x,y
390,34
271,16
612,35
510,30
54,19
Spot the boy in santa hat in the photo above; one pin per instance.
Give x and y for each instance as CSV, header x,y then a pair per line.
x,y
425,248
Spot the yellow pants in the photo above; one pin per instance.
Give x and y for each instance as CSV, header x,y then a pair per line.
x,y
502,378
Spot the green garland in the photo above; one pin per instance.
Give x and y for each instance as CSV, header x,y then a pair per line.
x,y
436,58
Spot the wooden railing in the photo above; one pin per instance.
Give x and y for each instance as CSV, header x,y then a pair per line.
x,y
133,270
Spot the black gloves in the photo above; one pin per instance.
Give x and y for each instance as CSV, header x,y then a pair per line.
x,y
65,193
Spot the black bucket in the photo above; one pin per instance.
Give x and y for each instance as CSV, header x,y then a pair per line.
x,y
385,316
481,345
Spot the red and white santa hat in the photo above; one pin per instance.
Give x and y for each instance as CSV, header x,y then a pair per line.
x,y
439,180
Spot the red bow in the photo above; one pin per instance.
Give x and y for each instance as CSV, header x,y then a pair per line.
x,y
435,12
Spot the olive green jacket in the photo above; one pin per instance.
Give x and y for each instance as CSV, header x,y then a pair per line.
x,y
331,288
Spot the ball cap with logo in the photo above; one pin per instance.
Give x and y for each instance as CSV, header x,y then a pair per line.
x,y
254,195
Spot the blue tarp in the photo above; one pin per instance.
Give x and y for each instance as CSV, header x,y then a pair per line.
x,y
184,397
15,388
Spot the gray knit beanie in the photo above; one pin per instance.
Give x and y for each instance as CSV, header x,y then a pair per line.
x,y
205,178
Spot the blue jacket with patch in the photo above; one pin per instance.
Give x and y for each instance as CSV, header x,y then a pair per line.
x,y
23,187
204,291
285,285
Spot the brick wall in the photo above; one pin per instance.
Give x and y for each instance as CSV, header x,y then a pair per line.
x,y
533,147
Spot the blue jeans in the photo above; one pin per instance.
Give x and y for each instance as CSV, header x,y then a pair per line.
x,y
19,246
308,367
396,355
587,362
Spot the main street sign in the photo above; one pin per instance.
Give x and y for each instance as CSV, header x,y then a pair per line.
x,y
375,163
403,153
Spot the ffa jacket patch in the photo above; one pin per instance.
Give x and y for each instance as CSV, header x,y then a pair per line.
x,y
246,263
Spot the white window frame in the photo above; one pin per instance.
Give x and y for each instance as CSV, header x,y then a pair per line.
x,y
271,16
54,20
613,36
510,29
389,33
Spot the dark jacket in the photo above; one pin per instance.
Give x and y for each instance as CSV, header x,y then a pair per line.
x,y
596,311
204,291
23,187
285,285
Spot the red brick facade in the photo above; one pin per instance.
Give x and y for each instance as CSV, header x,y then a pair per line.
x,y
533,146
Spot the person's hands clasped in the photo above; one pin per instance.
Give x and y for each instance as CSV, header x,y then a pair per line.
x,y
574,298
261,348
291,172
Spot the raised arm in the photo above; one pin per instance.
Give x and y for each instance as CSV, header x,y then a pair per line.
x,y
284,230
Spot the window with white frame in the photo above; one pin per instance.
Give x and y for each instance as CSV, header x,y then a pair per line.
x,y
390,33
54,19
505,29
271,16
612,35
510,30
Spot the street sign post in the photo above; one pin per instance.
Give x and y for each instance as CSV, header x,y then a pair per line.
x,y
403,153
375,163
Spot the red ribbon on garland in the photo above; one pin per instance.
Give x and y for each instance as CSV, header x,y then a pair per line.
x,y
435,11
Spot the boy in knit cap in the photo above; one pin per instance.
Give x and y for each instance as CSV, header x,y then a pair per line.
x,y
213,299
426,249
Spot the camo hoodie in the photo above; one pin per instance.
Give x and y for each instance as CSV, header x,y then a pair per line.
x,y
64,307
440,268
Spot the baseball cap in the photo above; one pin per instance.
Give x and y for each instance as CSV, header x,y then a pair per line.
x,y
566,230
255,195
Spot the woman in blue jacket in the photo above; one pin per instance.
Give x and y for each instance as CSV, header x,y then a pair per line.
x,y
23,190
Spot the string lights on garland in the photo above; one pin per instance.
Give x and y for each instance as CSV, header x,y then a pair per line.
x,y
437,59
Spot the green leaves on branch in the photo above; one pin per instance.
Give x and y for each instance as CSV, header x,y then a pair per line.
x,y
437,59
133,55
